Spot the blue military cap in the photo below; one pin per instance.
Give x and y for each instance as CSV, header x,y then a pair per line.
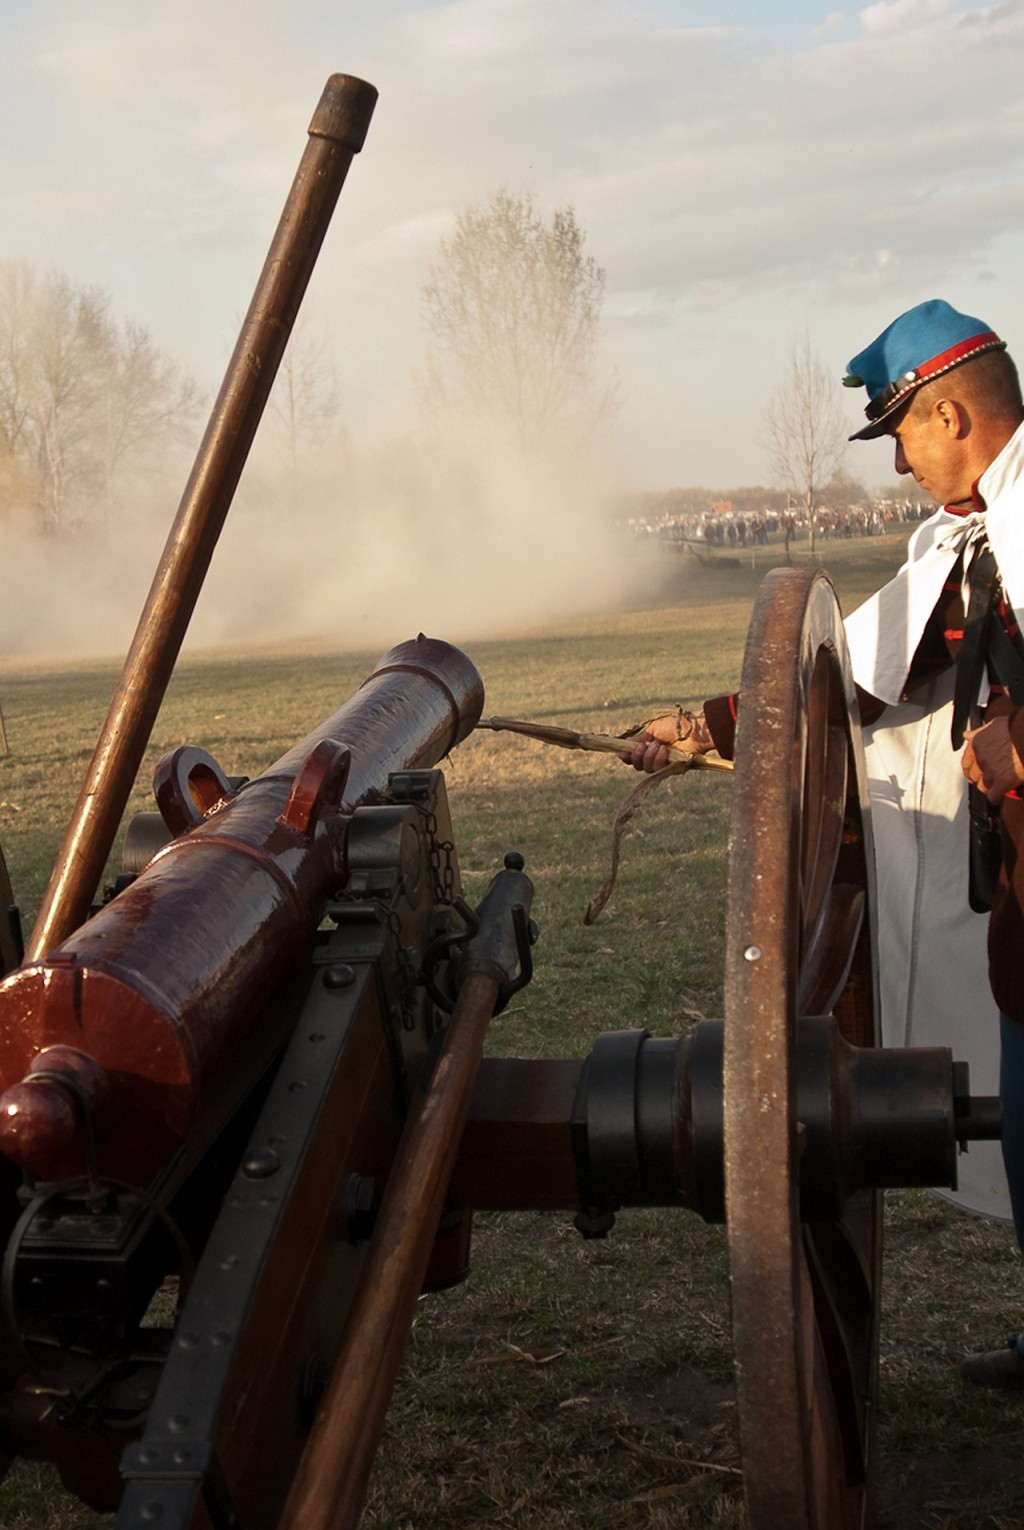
x,y
921,344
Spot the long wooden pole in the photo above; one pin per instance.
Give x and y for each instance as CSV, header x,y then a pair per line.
x,y
336,133
331,1480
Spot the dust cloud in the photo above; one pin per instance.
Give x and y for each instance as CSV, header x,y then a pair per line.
x,y
365,547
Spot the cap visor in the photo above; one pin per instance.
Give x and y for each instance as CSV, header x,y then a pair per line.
x,y
880,427
872,431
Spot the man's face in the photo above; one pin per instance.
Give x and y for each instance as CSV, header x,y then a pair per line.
x,y
927,447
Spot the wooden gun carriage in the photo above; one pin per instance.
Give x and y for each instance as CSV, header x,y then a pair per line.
x,y
258,1069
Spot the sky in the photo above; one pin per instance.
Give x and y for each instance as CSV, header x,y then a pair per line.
x,y
743,172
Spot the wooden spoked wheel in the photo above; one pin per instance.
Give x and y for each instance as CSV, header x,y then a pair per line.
x,y
799,943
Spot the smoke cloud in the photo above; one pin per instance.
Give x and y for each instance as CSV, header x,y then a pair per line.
x,y
445,534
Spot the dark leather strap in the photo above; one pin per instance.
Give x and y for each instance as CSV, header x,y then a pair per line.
x,y
972,659
1007,662
986,644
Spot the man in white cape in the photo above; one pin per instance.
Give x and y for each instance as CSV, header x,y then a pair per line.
x,y
940,383
932,946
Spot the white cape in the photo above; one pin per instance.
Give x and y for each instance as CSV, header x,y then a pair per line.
x,y
932,956
933,961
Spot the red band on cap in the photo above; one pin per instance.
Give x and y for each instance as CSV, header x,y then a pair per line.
x,y
957,353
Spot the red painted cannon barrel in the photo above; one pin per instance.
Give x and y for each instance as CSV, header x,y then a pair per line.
x,y
159,988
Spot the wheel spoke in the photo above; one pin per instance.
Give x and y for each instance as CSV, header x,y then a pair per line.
x,y
825,788
830,952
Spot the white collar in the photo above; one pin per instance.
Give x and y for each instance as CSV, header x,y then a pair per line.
x,y
1004,470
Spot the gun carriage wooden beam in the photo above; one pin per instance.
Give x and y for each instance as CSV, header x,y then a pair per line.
x,y
258,1069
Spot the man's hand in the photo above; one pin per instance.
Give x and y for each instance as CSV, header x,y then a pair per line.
x,y
990,761
653,745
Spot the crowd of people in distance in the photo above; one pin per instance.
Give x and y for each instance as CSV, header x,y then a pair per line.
x,y
739,529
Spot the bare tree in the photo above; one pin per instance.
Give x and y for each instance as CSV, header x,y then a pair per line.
x,y
15,476
15,283
146,403
66,349
805,430
79,397
514,306
303,406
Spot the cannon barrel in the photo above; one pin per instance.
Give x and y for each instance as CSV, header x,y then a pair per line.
x,y
121,1035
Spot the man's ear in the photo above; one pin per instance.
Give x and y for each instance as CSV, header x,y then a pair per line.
x,y
953,416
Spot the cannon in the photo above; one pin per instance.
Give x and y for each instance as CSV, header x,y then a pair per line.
x,y
246,1117
286,1108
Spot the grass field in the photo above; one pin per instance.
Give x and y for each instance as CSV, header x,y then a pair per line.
x,y
573,1383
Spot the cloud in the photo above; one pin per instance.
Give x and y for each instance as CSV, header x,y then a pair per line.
x,y
890,15
833,23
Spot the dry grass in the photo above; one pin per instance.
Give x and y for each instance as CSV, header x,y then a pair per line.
x,y
570,1383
